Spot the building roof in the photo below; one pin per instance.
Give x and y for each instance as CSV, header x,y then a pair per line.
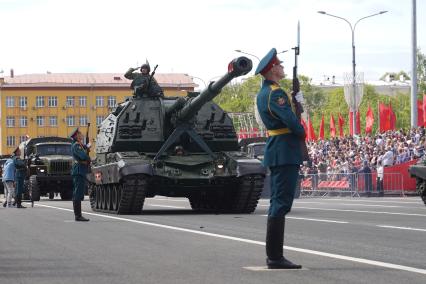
x,y
165,80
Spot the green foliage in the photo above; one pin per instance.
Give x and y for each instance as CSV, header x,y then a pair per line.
x,y
421,72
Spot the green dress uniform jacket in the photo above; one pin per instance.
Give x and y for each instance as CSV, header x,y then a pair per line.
x,y
282,151
21,172
79,169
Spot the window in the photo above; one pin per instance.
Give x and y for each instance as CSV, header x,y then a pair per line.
x,y
70,101
99,101
10,141
40,121
39,101
10,101
23,121
52,102
83,120
53,121
23,138
99,119
23,102
70,120
10,121
82,101
112,101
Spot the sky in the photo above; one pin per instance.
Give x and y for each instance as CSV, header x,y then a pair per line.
x,y
199,37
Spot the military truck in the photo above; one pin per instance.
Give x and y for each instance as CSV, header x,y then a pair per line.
x,y
176,147
49,161
418,171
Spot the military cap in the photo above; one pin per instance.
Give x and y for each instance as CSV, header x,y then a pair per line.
x,y
74,133
267,62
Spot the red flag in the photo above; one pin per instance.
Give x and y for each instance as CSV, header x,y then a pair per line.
x,y
305,128
420,120
358,123
384,115
424,110
392,118
341,123
369,120
321,131
332,127
311,132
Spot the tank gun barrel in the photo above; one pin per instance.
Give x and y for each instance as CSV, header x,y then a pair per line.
x,y
237,67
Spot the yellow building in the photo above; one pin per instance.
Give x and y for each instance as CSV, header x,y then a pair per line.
x,y
40,105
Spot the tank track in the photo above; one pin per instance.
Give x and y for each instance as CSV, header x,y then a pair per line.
x,y
242,199
127,197
421,189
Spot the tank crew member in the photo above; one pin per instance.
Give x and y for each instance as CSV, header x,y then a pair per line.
x,y
80,153
21,172
141,81
282,154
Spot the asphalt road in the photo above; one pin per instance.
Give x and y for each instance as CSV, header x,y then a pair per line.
x,y
337,240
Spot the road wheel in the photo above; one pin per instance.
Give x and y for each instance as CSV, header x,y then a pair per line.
x,y
34,188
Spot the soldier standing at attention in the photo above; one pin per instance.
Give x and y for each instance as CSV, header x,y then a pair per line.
x,y
282,154
142,82
21,172
80,153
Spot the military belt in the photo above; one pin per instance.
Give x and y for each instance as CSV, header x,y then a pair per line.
x,y
280,131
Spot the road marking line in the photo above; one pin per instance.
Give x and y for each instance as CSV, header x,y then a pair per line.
x,y
168,199
372,201
369,205
401,228
316,220
360,211
167,206
248,241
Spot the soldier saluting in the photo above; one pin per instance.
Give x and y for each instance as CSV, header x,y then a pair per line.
x,y
283,154
80,153
143,82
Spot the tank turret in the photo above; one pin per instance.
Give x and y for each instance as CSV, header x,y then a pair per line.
x,y
184,147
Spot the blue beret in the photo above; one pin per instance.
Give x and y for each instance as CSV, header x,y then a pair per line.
x,y
74,132
267,62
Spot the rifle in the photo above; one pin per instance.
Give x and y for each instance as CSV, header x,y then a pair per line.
x,y
296,89
150,77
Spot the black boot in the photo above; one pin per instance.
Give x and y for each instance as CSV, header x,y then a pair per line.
x,y
77,212
19,202
274,245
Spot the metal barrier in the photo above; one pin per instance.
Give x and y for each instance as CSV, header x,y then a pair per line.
x,y
351,184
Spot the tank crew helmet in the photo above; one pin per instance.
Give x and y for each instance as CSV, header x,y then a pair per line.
x,y
267,62
146,67
73,134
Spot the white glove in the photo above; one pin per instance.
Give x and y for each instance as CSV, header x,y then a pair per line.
x,y
88,145
299,97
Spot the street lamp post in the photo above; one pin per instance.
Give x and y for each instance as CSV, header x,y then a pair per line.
x,y
353,57
204,82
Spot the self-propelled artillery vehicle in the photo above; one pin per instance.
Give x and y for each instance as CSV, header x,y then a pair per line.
x,y
418,171
175,147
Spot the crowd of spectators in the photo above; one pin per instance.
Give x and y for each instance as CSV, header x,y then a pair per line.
x,y
353,153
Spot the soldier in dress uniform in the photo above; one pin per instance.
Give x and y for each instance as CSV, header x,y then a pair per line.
x,y
21,172
142,82
282,154
80,153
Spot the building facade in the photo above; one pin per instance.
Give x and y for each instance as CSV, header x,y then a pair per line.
x,y
41,105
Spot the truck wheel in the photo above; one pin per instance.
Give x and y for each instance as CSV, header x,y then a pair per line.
x,y
66,195
51,195
34,188
26,195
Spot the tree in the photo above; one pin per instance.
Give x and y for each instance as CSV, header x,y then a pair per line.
x,y
421,72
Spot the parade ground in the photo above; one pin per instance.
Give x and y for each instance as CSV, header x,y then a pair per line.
x,y
337,240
